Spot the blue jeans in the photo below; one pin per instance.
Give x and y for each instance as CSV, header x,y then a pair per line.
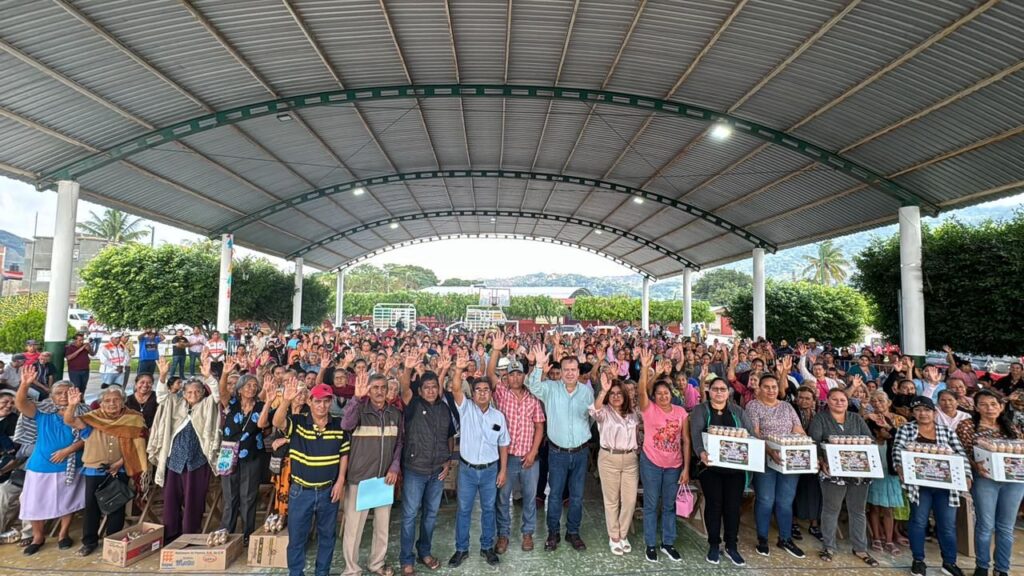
x,y
995,506
526,479
303,505
472,482
111,379
659,484
565,468
421,494
147,367
775,490
936,501
193,359
178,365
79,378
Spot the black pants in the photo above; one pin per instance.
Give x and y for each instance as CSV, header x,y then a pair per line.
x,y
93,516
723,493
240,491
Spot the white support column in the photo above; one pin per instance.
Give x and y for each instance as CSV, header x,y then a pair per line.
x,y
759,320
645,306
687,328
297,297
56,333
911,282
227,249
339,299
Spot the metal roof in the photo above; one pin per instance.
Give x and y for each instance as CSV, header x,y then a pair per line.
x,y
337,130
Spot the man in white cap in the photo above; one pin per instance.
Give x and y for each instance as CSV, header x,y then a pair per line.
x,y
113,361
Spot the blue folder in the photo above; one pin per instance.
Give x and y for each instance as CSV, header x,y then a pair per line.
x,y
374,493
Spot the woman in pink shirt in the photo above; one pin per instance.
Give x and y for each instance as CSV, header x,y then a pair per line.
x,y
664,462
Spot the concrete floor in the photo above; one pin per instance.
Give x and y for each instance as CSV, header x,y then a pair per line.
x,y
597,560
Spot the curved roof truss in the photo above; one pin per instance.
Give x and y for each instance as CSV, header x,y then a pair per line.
x,y
186,128
492,236
397,220
511,174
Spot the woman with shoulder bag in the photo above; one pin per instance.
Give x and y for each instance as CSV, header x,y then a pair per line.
x,y
241,458
114,456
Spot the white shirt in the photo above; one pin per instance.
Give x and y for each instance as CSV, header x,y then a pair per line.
x,y
111,357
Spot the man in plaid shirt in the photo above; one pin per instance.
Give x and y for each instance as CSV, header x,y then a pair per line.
x,y
525,416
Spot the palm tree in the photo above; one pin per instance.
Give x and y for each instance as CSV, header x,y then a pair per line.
x,y
113,226
829,267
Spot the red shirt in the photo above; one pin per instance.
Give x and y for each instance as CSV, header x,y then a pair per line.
x,y
79,363
521,415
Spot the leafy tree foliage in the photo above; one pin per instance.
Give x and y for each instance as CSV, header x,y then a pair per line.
x,y
719,286
389,278
17,304
446,308
30,325
828,266
794,310
619,308
972,285
114,226
135,286
531,307
458,282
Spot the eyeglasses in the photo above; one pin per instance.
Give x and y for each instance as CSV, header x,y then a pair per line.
x,y
482,391
610,394
719,389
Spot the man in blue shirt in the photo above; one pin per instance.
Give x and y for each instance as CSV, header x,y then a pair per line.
x,y
566,404
149,351
484,454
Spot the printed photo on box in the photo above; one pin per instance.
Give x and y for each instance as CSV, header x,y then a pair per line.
x,y
932,469
798,459
855,460
1013,468
734,452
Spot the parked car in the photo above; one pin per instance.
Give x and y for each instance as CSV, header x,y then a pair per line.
x,y
79,318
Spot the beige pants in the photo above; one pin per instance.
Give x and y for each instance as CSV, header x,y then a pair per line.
x,y
619,479
352,534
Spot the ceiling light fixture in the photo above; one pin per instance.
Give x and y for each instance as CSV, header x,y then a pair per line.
x,y
358,191
598,232
394,225
638,200
721,131
493,219
284,117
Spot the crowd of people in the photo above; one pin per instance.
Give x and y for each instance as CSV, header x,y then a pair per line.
x,y
324,416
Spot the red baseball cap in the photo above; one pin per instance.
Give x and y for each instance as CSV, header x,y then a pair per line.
x,y
321,391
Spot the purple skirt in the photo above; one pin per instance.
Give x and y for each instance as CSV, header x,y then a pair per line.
x,y
46,495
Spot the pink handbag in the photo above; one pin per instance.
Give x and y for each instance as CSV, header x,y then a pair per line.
x,y
685,501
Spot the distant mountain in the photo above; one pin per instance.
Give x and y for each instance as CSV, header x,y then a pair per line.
x,y
785,265
15,248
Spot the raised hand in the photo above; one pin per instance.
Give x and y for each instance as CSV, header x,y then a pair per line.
x,y
444,361
606,382
204,361
498,344
646,358
462,361
28,375
412,358
162,366
362,384
291,389
74,396
269,388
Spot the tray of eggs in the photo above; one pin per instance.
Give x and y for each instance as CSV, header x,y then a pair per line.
x,y
728,431
851,440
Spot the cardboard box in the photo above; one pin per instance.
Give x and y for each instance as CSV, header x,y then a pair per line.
x,y
189,553
800,459
946,471
736,453
268,550
1002,467
965,525
854,460
120,553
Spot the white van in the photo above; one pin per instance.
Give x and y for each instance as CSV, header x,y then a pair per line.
x,y
79,318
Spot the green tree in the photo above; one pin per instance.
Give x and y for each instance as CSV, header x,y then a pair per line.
x,y
530,307
719,286
795,310
114,226
619,308
27,326
972,287
458,282
17,304
409,277
828,266
135,286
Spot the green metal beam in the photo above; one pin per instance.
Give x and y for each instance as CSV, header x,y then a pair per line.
x,y
511,174
496,214
494,236
238,114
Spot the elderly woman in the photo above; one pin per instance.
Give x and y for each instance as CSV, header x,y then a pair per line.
x,y
949,413
183,444
241,461
280,462
115,450
54,487
838,421
927,500
885,494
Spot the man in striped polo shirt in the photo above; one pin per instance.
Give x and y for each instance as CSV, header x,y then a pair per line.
x,y
319,454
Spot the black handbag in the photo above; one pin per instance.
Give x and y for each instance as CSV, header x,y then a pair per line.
x,y
112,495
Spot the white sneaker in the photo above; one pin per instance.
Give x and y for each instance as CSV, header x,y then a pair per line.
x,y
625,546
616,547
